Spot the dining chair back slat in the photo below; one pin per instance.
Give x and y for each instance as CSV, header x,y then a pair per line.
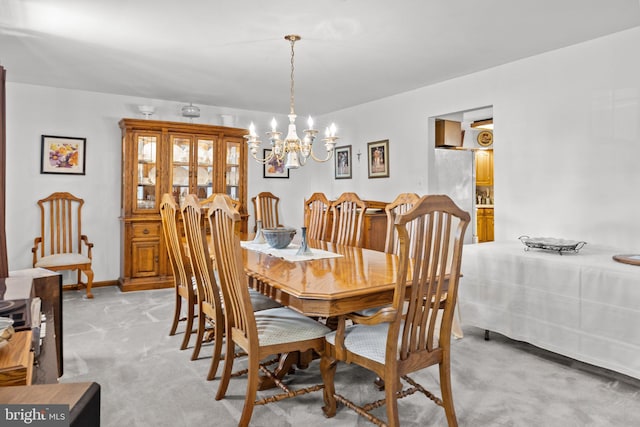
x,y
316,215
348,220
266,207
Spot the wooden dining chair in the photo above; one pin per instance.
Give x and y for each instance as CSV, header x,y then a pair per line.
x,y
347,216
260,334
209,297
61,242
185,288
266,208
205,203
394,345
402,204
316,216
210,304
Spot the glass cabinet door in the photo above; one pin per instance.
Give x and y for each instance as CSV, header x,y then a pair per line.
x,y
205,172
146,188
232,169
179,170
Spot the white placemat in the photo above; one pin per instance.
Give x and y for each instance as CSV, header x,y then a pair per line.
x,y
288,253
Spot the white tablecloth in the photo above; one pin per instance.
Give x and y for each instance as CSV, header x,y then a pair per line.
x,y
585,305
289,253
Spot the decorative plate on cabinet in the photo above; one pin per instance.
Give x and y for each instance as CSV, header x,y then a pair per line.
x,y
485,138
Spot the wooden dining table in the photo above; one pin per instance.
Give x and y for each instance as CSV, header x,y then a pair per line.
x,y
356,280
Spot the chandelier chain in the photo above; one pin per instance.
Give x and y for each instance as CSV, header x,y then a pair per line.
x,y
291,100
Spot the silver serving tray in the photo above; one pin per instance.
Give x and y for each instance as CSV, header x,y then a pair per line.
x,y
552,244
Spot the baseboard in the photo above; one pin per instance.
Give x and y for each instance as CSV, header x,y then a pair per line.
x,y
75,286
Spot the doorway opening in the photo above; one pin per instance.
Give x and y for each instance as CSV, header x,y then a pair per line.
x,y
464,165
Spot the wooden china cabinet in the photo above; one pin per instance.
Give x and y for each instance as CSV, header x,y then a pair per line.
x,y
171,157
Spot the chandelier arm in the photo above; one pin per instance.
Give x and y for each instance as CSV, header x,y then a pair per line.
x,y
313,156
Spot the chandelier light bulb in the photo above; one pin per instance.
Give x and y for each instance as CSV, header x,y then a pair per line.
x,y
310,122
274,125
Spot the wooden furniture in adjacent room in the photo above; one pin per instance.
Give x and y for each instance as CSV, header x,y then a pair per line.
x,y
484,227
484,168
394,344
61,245
178,158
182,274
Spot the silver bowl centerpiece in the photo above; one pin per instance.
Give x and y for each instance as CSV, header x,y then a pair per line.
x,y
279,237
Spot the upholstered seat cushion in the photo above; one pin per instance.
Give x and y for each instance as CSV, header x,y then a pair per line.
x,y
369,341
261,302
60,260
282,325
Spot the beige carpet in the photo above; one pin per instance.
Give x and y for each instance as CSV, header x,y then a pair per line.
x,y
121,341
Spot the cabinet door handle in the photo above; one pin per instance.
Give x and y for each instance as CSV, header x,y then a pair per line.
x,y
156,259
145,231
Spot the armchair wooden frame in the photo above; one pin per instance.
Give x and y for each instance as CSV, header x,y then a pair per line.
x,y
60,244
181,267
316,216
348,220
400,339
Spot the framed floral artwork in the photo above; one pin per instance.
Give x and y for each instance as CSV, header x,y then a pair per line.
x,y
63,155
342,157
274,168
378,159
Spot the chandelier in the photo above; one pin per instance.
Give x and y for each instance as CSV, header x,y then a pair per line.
x,y
293,151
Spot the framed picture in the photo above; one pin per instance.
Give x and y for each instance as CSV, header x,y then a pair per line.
x,y
63,155
342,157
378,159
274,168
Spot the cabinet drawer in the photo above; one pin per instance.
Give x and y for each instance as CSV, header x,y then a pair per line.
x,y
147,229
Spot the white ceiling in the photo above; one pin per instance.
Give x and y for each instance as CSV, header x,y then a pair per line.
x,y
232,53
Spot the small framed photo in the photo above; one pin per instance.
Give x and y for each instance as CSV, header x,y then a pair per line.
x,y
63,155
342,157
378,159
274,168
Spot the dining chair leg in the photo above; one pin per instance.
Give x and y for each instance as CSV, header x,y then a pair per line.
x,y
89,273
391,398
200,333
228,365
252,390
188,328
447,393
217,350
176,315
328,371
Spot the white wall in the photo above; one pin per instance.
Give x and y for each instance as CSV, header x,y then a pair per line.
x,y
33,111
567,145
567,141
